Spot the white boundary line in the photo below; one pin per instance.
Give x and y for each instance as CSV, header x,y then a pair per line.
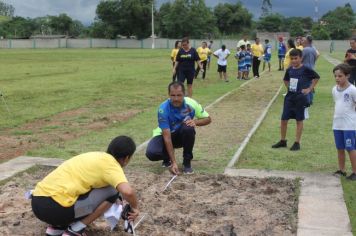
x,y
236,156
144,144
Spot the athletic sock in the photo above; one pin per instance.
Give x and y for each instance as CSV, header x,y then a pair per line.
x,y
77,226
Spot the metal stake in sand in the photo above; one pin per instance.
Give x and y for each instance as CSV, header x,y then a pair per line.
x,y
135,226
169,183
3,99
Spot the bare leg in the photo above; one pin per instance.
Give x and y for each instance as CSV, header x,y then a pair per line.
x,y
269,66
284,125
299,130
220,75
190,90
352,155
225,75
99,211
264,65
341,159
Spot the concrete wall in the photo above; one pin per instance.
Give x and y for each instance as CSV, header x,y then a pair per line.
x,y
321,45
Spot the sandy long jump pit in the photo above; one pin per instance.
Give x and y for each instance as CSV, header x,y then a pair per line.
x,y
200,205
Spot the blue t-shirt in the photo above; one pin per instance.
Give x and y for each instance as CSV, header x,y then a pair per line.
x,y
268,50
248,58
299,78
282,49
309,57
170,117
241,56
187,59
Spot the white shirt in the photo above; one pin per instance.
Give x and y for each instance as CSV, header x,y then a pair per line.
x,y
242,42
345,108
222,56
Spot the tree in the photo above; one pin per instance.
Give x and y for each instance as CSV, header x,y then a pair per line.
x,y
271,23
320,32
339,22
126,17
6,9
61,24
232,18
186,18
18,27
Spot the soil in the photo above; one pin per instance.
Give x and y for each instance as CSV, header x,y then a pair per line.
x,y
200,205
56,129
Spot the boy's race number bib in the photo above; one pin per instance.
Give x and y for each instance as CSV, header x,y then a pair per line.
x,y
293,84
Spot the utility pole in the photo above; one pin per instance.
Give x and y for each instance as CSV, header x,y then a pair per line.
x,y
153,27
316,11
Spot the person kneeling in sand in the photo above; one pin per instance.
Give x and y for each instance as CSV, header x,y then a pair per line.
x,y
84,187
176,129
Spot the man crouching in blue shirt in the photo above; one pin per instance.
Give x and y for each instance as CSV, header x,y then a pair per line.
x,y
176,129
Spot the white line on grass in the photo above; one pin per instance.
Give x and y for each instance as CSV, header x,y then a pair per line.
x,y
236,156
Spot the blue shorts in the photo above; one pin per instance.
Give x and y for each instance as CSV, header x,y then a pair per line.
x,y
248,67
280,57
242,68
345,139
267,58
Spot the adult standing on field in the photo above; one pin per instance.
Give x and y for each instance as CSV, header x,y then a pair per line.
x,y
174,57
222,54
350,59
84,187
203,53
257,52
185,62
243,41
178,117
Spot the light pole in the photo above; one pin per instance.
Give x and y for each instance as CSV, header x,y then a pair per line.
x,y
153,27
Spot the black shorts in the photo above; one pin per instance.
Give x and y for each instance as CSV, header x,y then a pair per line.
x,y
221,68
294,106
186,74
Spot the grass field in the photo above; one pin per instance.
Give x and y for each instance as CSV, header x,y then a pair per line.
x,y
82,87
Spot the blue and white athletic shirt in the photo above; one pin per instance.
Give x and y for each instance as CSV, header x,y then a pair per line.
x,y
281,49
268,51
248,58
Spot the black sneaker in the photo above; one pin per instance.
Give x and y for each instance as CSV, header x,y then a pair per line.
x,y
339,173
70,232
188,170
166,163
351,177
295,147
281,143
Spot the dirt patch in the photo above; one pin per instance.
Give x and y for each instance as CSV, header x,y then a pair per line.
x,y
201,205
56,130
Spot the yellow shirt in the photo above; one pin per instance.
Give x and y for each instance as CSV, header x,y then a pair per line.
x,y
300,47
79,175
203,53
286,62
174,54
257,50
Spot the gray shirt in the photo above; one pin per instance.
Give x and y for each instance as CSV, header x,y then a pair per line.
x,y
309,57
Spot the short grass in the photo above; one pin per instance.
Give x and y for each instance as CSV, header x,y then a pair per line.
x,y
318,153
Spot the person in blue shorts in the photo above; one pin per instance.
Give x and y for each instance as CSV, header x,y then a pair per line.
x,y
178,117
344,124
241,63
267,55
300,81
282,49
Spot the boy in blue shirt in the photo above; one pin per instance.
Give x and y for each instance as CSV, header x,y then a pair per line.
x,y
282,49
300,81
241,63
248,60
267,55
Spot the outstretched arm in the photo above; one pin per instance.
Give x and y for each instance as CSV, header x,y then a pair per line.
x,y
166,133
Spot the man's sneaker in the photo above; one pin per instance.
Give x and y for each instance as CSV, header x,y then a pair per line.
x,y
54,231
188,170
339,173
351,177
70,232
166,163
295,147
281,143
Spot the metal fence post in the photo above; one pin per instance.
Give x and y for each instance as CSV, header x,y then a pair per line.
x,y
34,43
90,42
116,43
141,43
167,43
59,43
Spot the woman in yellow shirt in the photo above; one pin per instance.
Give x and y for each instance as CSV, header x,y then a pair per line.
x,y
203,53
174,56
257,52
290,47
84,187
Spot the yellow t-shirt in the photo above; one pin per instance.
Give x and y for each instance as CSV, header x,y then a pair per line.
x,y
203,53
174,54
286,62
257,50
300,47
79,175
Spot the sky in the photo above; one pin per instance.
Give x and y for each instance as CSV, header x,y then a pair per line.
x,y
84,10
